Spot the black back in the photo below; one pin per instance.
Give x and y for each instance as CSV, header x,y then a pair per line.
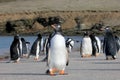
x,y
94,44
34,46
24,46
14,51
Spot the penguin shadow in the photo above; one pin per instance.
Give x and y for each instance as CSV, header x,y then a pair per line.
x,y
100,61
97,61
100,69
28,74
106,62
89,59
5,61
21,61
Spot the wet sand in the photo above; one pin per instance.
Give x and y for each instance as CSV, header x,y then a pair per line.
x,y
92,68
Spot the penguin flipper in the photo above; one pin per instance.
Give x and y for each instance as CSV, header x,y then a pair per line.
x,y
48,61
67,63
81,48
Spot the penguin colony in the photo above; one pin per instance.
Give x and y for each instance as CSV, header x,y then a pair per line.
x,y
58,49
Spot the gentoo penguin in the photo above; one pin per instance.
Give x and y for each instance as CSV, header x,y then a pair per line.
x,y
96,44
86,46
69,44
57,54
36,47
15,50
109,44
24,48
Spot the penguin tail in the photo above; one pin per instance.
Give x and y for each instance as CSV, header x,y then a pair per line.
x,y
67,63
47,71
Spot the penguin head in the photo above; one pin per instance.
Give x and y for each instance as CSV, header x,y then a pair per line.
x,y
22,39
53,20
86,33
39,36
16,39
69,39
107,29
16,36
92,34
56,27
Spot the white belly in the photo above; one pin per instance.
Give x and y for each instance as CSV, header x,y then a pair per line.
x,y
58,52
86,46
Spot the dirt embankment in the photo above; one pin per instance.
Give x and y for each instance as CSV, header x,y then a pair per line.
x,y
88,18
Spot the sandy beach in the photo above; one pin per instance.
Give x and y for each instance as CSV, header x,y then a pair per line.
x,y
93,68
